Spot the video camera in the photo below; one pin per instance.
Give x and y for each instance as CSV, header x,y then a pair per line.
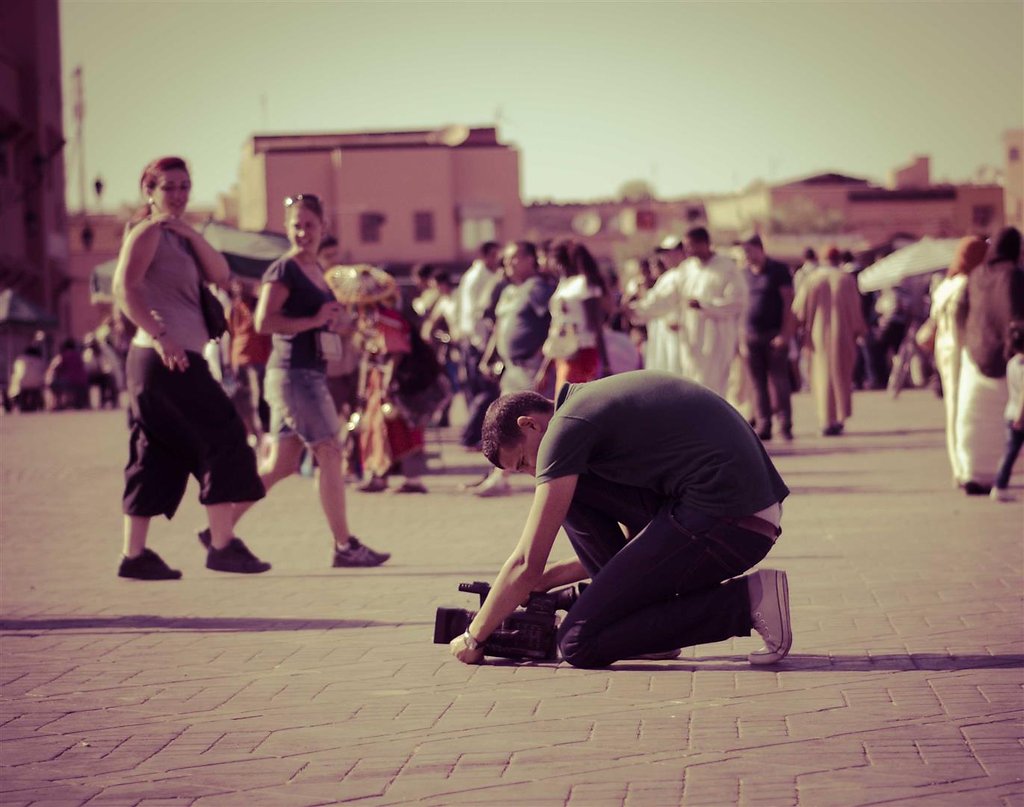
x,y
527,633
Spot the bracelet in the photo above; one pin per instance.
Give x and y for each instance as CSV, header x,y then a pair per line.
x,y
471,643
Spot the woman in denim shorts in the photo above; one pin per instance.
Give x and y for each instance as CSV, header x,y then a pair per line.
x,y
298,309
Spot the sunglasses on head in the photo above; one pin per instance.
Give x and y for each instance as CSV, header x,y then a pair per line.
x,y
307,198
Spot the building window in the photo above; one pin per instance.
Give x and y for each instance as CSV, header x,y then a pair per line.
x,y
646,220
423,225
370,225
982,215
1014,154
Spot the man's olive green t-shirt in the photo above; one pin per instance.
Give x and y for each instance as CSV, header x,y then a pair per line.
x,y
653,430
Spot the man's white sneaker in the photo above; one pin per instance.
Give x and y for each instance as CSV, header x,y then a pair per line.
x,y
495,485
1000,495
769,610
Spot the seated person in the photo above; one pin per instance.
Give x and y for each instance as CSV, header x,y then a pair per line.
x,y
698,496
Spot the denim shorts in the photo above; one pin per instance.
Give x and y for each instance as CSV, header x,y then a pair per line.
x,y
301,404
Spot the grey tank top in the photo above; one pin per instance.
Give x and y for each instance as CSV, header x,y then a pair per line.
x,y
171,287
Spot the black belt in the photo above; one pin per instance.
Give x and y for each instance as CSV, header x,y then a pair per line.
x,y
754,524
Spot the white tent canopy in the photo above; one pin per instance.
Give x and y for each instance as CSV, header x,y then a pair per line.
x,y
920,258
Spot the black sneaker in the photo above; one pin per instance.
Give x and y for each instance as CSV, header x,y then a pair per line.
x,y
358,554
206,538
147,566
973,488
235,557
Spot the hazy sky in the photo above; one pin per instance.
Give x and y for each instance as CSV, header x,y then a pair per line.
x,y
693,97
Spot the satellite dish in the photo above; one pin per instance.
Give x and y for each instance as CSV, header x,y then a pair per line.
x,y
587,223
454,135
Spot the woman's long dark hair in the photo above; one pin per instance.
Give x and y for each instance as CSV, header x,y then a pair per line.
x,y
573,258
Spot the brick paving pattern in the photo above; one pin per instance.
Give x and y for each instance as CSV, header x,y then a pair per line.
x,y
311,686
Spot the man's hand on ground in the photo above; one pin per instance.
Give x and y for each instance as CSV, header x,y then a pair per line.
x,y
461,651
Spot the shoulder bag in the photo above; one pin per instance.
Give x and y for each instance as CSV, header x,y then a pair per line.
x,y
213,312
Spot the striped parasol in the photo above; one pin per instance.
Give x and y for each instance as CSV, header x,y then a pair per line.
x,y
360,284
920,258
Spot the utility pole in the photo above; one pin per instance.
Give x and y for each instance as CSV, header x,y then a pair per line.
x,y
87,234
79,110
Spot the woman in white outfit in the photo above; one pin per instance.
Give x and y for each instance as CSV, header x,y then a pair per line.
x,y
577,315
948,339
992,299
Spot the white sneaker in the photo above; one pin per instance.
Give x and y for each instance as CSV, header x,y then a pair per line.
x,y
495,485
770,614
1000,495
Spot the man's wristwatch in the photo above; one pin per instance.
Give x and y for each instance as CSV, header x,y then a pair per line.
x,y
471,643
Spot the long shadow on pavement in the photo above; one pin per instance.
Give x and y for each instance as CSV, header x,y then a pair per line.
x,y
222,624
847,448
814,490
812,663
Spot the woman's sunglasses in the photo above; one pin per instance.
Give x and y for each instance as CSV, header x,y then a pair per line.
x,y
310,199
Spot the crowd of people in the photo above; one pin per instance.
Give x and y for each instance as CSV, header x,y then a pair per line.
x,y
79,376
347,392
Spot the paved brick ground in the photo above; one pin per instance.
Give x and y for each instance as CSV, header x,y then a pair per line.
x,y
310,686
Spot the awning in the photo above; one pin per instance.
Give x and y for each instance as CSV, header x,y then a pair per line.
x,y
262,248
920,258
16,310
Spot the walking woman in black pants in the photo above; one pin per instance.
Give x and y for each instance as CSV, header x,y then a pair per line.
x,y
182,423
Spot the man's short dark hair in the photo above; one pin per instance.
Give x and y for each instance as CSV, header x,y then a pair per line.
x,y
500,429
423,271
527,248
487,247
699,234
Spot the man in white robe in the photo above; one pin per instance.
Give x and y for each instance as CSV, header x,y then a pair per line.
x,y
661,308
714,297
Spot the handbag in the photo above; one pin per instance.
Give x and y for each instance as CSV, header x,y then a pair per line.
x,y
213,312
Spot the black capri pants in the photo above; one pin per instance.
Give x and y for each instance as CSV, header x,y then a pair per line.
x,y
182,423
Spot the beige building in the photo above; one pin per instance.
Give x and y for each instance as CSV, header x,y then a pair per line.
x,y
93,239
390,197
614,230
850,208
33,240
1013,142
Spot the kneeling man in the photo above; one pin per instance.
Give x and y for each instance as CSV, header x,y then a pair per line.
x,y
697,495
